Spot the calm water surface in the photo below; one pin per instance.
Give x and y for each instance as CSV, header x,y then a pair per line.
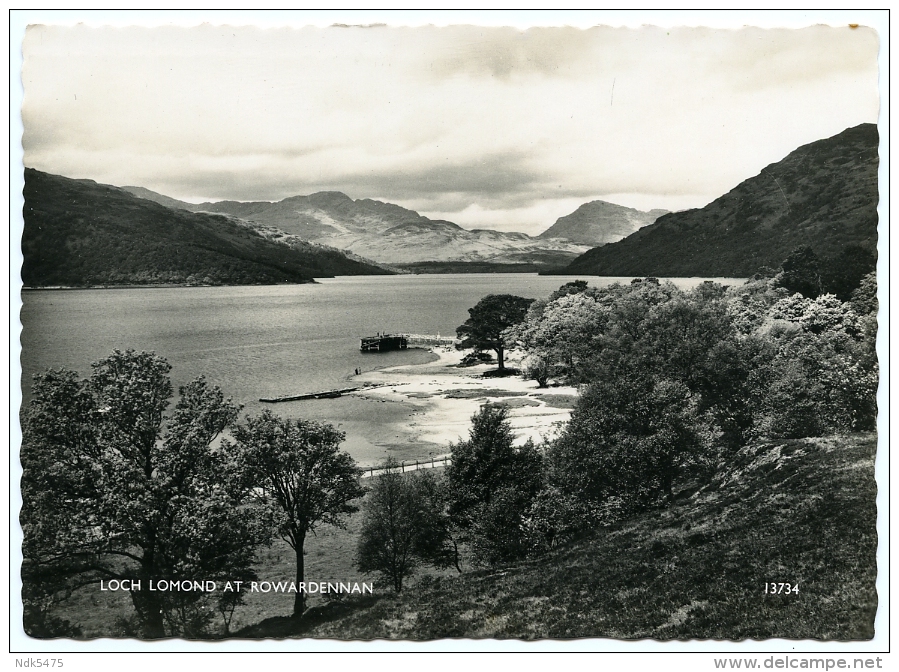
x,y
271,340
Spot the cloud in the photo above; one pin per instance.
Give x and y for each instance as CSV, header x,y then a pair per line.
x,y
506,52
486,124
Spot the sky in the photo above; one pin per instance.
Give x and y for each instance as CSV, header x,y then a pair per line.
x,y
489,127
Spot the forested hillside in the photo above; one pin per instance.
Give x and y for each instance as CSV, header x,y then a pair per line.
x,y
823,195
80,233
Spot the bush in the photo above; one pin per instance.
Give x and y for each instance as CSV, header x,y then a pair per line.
x,y
497,534
475,358
553,519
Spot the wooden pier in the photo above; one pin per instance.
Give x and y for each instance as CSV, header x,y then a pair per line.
x,y
383,343
328,394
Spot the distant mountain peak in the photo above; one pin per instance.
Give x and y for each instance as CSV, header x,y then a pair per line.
x,y
384,232
328,197
600,222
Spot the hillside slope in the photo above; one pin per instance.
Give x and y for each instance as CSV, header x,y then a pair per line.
x,y
386,232
599,222
823,194
80,233
799,511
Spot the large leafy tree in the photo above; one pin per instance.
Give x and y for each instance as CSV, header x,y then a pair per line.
x,y
112,488
563,334
299,474
487,321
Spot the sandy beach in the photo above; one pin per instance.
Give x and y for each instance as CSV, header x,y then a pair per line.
x,y
439,399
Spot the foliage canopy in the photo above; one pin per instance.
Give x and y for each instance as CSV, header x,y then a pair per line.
x,y
113,488
488,320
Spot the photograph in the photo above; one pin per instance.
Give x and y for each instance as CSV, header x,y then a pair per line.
x,y
557,328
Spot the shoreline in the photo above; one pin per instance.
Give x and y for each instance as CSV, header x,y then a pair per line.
x,y
441,399
163,285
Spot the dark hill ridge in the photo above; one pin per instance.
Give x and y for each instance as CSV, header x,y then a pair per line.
x,y
600,222
823,194
81,233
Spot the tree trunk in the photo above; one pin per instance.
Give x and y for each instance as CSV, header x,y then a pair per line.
x,y
148,606
148,603
299,602
499,357
154,628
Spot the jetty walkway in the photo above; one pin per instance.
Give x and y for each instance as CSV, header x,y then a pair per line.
x,y
430,340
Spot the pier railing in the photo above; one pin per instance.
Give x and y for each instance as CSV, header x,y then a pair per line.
x,y
430,339
410,465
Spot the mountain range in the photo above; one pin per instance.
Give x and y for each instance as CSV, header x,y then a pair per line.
x,y
78,232
823,195
386,232
81,233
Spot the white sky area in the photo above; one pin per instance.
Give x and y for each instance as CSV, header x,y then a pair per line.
x,y
487,127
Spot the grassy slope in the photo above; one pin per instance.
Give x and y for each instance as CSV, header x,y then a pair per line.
x,y
800,511
823,194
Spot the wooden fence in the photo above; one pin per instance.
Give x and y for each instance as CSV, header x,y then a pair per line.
x,y
411,465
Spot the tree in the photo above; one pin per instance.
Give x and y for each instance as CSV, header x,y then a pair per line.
x,y
821,382
801,272
438,543
626,440
842,274
562,335
404,525
679,333
490,485
864,298
300,476
491,316
114,489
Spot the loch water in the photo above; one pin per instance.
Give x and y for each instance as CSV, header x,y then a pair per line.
x,y
270,341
